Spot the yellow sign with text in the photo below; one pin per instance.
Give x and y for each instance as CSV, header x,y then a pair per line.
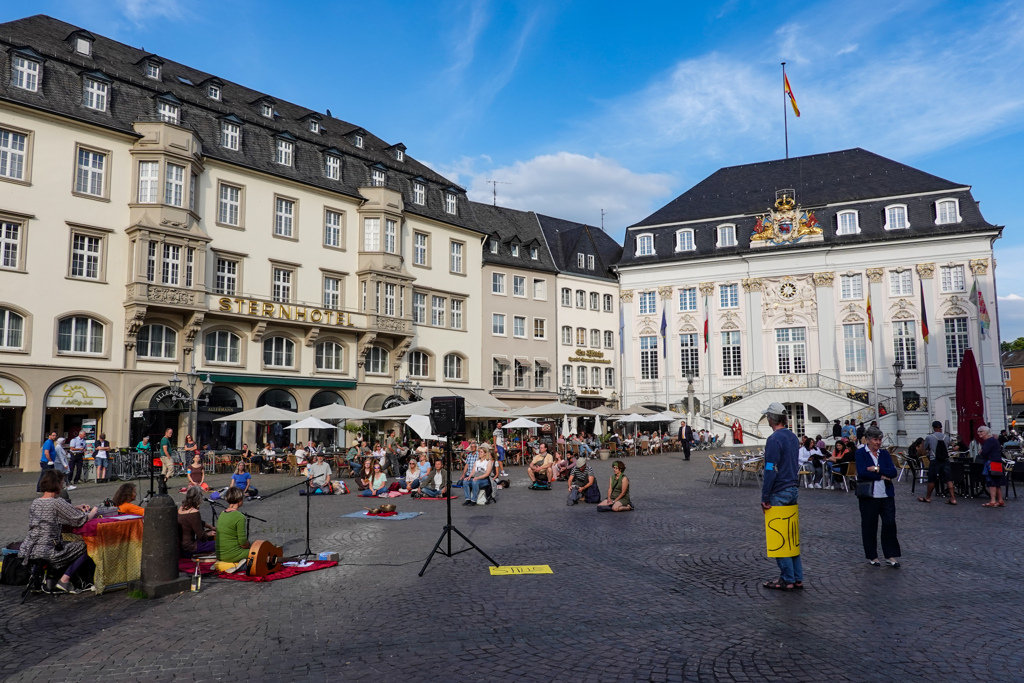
x,y
521,569
782,531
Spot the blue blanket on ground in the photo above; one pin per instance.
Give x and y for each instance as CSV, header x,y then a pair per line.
x,y
398,515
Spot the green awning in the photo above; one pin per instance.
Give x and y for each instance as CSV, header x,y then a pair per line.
x,y
270,380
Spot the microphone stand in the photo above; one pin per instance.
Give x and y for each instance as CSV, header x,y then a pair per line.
x,y
307,552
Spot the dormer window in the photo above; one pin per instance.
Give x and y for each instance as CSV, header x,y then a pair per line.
x,y
492,245
285,150
94,95
451,203
213,92
580,260
533,253
399,155
645,245
25,73
515,250
314,126
726,236
947,211
230,134
357,140
153,71
590,262
896,217
168,111
83,46
332,167
684,240
378,177
267,110
419,193
847,223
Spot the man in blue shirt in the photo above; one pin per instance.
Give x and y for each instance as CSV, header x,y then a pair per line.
x,y
781,485
48,457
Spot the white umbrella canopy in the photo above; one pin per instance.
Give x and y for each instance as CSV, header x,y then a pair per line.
x,y
598,427
671,415
486,413
421,425
522,423
407,410
261,414
634,417
336,411
552,410
311,423
565,425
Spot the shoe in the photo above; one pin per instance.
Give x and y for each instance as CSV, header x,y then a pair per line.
x,y
491,501
874,563
893,563
65,587
71,487
468,502
259,497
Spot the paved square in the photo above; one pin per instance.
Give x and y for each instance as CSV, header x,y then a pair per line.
x,y
671,592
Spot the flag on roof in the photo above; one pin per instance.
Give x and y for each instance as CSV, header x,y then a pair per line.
x,y
792,99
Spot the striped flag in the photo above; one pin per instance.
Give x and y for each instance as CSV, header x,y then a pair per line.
x,y
664,339
792,99
622,330
871,321
705,324
924,315
978,299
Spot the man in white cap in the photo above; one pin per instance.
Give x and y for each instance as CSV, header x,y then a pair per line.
x,y
781,486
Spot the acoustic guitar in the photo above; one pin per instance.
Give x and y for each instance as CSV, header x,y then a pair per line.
x,y
264,558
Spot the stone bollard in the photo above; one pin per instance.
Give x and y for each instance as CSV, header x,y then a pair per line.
x,y
160,575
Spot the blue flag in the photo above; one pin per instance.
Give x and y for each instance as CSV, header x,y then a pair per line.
x,y
664,329
622,330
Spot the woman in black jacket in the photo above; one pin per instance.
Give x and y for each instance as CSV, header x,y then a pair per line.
x,y
877,498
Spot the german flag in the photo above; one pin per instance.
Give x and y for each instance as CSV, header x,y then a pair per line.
x,y
924,316
792,99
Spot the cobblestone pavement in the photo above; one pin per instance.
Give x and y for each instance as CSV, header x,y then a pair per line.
x,y
671,592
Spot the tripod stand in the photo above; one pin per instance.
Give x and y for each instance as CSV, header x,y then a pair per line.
x,y
449,528
307,552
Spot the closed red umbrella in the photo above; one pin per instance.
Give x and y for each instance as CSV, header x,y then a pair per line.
x,y
970,402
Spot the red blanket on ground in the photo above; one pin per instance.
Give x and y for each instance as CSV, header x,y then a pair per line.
x,y
283,573
188,565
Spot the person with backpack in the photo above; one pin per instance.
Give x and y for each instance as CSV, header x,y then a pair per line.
x,y
936,447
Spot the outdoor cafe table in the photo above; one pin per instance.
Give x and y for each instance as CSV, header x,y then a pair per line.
x,y
114,544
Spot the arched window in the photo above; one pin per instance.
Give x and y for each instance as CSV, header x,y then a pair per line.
x,y
376,361
222,347
330,356
79,334
279,352
419,364
453,366
12,329
156,341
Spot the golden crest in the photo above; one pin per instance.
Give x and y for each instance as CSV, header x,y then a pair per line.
x,y
786,223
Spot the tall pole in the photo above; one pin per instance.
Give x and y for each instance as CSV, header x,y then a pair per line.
x,y
901,429
785,114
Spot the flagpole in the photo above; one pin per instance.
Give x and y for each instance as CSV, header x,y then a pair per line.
x,y
981,343
874,355
927,370
785,114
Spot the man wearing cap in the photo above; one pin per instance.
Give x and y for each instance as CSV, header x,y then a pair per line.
x,y
582,483
781,486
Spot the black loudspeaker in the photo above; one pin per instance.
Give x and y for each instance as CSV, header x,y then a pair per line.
x,y
448,415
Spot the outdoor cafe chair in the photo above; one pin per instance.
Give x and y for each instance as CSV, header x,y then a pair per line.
x,y
720,466
754,467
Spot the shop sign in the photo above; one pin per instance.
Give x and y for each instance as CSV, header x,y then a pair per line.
x,y
11,394
589,356
590,392
169,392
266,309
76,394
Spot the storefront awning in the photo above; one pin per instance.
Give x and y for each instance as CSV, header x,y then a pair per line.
x,y
269,380
11,394
76,393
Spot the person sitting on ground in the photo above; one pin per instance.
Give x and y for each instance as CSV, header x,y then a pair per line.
x,y
231,540
423,462
377,484
380,454
196,535
196,474
319,476
582,483
435,483
47,515
364,474
560,467
242,480
412,477
123,500
618,489
541,470
479,477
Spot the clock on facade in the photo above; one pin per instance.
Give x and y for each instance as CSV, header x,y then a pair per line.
x,y
787,290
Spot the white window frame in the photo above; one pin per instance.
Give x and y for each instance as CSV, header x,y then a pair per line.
x,y
687,299
848,216
851,287
645,244
419,364
285,151
647,303
438,308
90,335
332,292
390,298
390,235
498,325
153,71
378,177
334,222
284,217
226,276
230,135
893,225
357,140
729,296
330,356
451,203
791,350
168,112
453,367
609,339
581,299
332,166
455,314
419,194
648,357
314,126
901,282
420,246
855,348
419,308
958,339
13,154
267,110
515,250
685,240
377,360
282,285
595,301
12,330
519,286
540,289
953,278
580,260
213,92
149,182
519,326
456,262
689,354
229,205
83,46
566,375
498,284
225,347
581,337
25,73
282,352
581,375
86,257
166,347
174,184
904,342
567,335
534,253
938,211
12,235
94,94
608,303
90,178
726,235
170,265
567,297
732,354
590,262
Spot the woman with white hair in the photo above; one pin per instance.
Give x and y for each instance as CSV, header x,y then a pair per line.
x,y
877,499
60,462
992,456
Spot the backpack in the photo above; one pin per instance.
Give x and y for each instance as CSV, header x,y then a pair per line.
x,y
941,453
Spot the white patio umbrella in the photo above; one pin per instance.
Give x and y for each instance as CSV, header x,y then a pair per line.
x,y
552,410
421,425
486,413
522,423
337,411
261,414
598,429
565,425
310,423
407,410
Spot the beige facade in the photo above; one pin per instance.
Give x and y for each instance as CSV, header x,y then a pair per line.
x,y
588,339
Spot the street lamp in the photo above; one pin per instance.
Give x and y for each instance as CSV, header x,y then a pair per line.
x,y
901,431
567,395
192,377
613,400
689,394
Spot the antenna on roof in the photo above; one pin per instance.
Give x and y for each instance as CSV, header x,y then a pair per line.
x,y
494,184
602,219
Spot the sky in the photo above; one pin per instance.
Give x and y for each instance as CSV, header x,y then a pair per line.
x,y
579,107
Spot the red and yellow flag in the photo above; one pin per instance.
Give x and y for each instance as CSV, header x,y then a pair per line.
x,y
871,321
924,316
792,99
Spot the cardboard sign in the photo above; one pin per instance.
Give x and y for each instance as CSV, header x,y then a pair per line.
x,y
782,531
521,569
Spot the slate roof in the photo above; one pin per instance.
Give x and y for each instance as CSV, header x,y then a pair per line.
x,y
856,178
1012,359
508,227
566,239
133,97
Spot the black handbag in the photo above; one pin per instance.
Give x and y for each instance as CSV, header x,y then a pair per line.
x,y
865,489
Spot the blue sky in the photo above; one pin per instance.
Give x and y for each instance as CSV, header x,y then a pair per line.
x,y
583,106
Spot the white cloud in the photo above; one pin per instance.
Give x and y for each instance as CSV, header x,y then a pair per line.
x,y
852,47
139,11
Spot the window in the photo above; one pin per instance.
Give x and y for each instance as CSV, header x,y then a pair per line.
x,y
728,296
10,244
608,303
590,262
279,352
390,235
689,355
855,348
540,328
896,217
595,377
332,228
332,167
314,126
847,221
904,343
947,211
83,46
492,245
609,339
455,319
230,135
901,283
533,253
567,375
390,292
451,203
153,70
456,257
851,287
726,235
95,95
79,334
149,178
497,283
419,249
24,73
581,375
90,174
419,308
12,328
267,110
540,289
190,261
376,361
595,300
497,373
330,356
952,278
522,374
419,364
378,177
688,299
284,152
647,303
566,296
609,377
649,357
580,260
519,326
581,336
332,292
151,263
581,299
284,217
515,250
226,279
191,192
453,367
222,347
437,306
731,357
645,245
357,140
167,111
12,154
282,285
85,257
566,334
170,265
956,340
399,155
213,92
419,193
498,324
174,185
518,285
156,341
540,377
595,338
791,350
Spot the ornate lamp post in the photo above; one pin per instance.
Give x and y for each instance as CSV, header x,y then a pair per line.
x,y
192,378
901,430
613,400
567,395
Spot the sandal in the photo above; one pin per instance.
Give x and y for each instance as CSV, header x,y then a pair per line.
x,y
893,563
990,505
922,500
950,502
799,585
875,563
778,585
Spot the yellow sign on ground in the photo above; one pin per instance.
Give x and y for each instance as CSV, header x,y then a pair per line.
x,y
521,569
782,531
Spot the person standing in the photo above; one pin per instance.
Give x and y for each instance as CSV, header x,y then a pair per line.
x,y
77,458
48,459
781,486
102,455
166,462
685,438
837,430
499,448
860,432
992,456
849,431
936,446
877,499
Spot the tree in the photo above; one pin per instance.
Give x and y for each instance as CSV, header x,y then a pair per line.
x,y
1016,345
